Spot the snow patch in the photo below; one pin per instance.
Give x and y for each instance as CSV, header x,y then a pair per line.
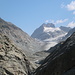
x,y
50,29
56,38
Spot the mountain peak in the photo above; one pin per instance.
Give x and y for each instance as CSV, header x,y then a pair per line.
x,y
48,25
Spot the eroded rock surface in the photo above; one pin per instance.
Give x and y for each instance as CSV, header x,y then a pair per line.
x,y
12,60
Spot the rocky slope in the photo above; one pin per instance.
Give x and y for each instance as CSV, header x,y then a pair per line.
x,y
19,38
50,34
13,61
61,61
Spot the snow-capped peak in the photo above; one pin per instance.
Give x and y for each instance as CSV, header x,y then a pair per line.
x,y
50,34
48,31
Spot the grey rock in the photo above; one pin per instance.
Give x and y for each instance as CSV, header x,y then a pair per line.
x,y
13,60
21,40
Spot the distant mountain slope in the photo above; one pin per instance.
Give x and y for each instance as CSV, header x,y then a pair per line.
x,y
61,61
66,29
69,34
50,34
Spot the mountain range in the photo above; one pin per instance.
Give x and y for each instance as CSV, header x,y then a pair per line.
x,y
50,34
21,54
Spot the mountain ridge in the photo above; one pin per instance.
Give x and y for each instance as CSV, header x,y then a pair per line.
x,y
19,37
50,34
22,40
13,61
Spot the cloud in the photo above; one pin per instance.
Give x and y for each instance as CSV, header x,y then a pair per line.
x,y
46,21
52,21
62,5
71,24
57,21
71,6
74,12
61,21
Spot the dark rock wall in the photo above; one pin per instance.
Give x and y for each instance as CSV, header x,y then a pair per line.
x,y
61,60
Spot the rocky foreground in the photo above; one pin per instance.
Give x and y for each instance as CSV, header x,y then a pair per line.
x,y
12,60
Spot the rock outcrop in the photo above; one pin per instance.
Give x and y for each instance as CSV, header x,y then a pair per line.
x,y
61,61
13,61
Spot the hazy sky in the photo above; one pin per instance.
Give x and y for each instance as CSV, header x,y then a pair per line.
x,y
30,14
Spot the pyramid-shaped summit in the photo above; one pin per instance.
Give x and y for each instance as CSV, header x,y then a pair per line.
x,y
48,25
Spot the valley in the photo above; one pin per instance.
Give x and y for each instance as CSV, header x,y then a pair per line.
x,y
39,54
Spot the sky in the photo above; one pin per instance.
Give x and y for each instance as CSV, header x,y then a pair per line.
x,y
30,14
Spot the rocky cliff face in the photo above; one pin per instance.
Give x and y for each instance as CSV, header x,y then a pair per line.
x,y
61,61
13,61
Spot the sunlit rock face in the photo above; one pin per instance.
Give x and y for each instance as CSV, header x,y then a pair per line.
x,y
13,60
